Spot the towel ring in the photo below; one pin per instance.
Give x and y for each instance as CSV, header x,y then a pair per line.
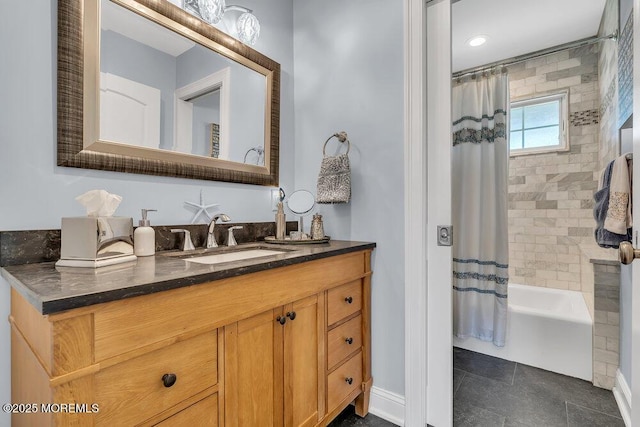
x,y
342,137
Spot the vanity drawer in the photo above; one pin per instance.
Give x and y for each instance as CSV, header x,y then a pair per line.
x,y
344,340
202,413
344,380
344,301
133,391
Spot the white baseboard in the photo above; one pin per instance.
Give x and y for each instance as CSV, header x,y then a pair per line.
x,y
622,393
387,405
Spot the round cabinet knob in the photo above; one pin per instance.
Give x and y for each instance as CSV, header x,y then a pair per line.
x,y
349,380
169,379
628,253
348,300
349,340
291,315
282,320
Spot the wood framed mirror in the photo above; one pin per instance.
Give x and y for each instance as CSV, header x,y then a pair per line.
x,y
110,119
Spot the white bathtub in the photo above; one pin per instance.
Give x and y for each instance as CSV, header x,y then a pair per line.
x,y
547,328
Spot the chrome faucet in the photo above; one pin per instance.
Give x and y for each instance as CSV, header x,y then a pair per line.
x,y
188,244
231,241
211,238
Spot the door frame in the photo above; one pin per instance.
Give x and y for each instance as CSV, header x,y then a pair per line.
x,y
415,208
419,314
427,195
635,293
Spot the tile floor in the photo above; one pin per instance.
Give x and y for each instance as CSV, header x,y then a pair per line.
x,y
348,418
491,392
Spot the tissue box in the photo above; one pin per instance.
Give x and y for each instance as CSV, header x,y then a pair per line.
x,y
96,241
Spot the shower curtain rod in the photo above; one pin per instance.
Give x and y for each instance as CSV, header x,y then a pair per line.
x,y
537,54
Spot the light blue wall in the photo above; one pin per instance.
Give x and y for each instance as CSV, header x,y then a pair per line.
x,y
35,193
42,192
349,76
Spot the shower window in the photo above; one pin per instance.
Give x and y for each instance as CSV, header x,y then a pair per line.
x,y
538,125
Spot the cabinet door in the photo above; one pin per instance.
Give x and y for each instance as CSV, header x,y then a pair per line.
x,y
302,355
253,371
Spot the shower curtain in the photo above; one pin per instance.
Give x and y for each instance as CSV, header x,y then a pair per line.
x,y
479,200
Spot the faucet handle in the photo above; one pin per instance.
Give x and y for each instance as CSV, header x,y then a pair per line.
x,y
232,238
188,244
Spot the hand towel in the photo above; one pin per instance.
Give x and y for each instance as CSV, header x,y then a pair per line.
x,y
605,238
334,180
618,218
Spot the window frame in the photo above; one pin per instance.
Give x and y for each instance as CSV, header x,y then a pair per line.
x,y
563,146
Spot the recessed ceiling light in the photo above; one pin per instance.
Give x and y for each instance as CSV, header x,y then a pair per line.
x,y
477,41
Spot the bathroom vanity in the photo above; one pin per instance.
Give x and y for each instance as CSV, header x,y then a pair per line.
x,y
282,340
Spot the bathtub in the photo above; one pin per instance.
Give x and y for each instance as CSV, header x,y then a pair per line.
x,y
546,328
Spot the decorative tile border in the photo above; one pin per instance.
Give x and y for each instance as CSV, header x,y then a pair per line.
x,y
608,98
585,118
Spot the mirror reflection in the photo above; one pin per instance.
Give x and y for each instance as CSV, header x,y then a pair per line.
x,y
160,90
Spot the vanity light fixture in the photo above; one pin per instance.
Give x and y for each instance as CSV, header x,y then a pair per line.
x,y
477,41
212,10
247,25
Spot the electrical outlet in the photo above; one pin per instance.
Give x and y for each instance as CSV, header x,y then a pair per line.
x,y
275,198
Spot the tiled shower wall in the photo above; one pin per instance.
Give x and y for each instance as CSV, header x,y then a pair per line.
x,y
608,88
616,73
606,323
551,195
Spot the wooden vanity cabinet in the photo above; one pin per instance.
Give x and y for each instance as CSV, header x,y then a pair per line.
x,y
272,366
288,346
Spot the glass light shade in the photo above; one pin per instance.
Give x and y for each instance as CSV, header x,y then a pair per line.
x,y
212,10
248,28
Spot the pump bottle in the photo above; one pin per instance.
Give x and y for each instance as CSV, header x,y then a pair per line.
x,y
144,238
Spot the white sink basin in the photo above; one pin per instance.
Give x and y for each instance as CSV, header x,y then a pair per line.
x,y
234,256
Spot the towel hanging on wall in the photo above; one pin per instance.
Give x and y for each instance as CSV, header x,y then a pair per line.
x,y
619,218
604,211
334,179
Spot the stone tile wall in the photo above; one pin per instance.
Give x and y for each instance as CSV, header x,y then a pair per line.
x,y
606,328
608,87
606,336
625,72
551,195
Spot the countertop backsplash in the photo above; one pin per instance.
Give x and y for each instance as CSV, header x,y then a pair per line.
x,y
34,246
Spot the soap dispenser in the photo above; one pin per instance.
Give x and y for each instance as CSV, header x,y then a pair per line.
x,y
144,238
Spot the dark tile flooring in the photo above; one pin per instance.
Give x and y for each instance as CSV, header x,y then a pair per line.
x,y
348,418
488,391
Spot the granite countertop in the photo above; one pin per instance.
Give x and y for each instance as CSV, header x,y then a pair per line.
x,y
54,289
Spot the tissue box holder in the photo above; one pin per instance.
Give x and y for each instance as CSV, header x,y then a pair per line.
x,y
96,241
